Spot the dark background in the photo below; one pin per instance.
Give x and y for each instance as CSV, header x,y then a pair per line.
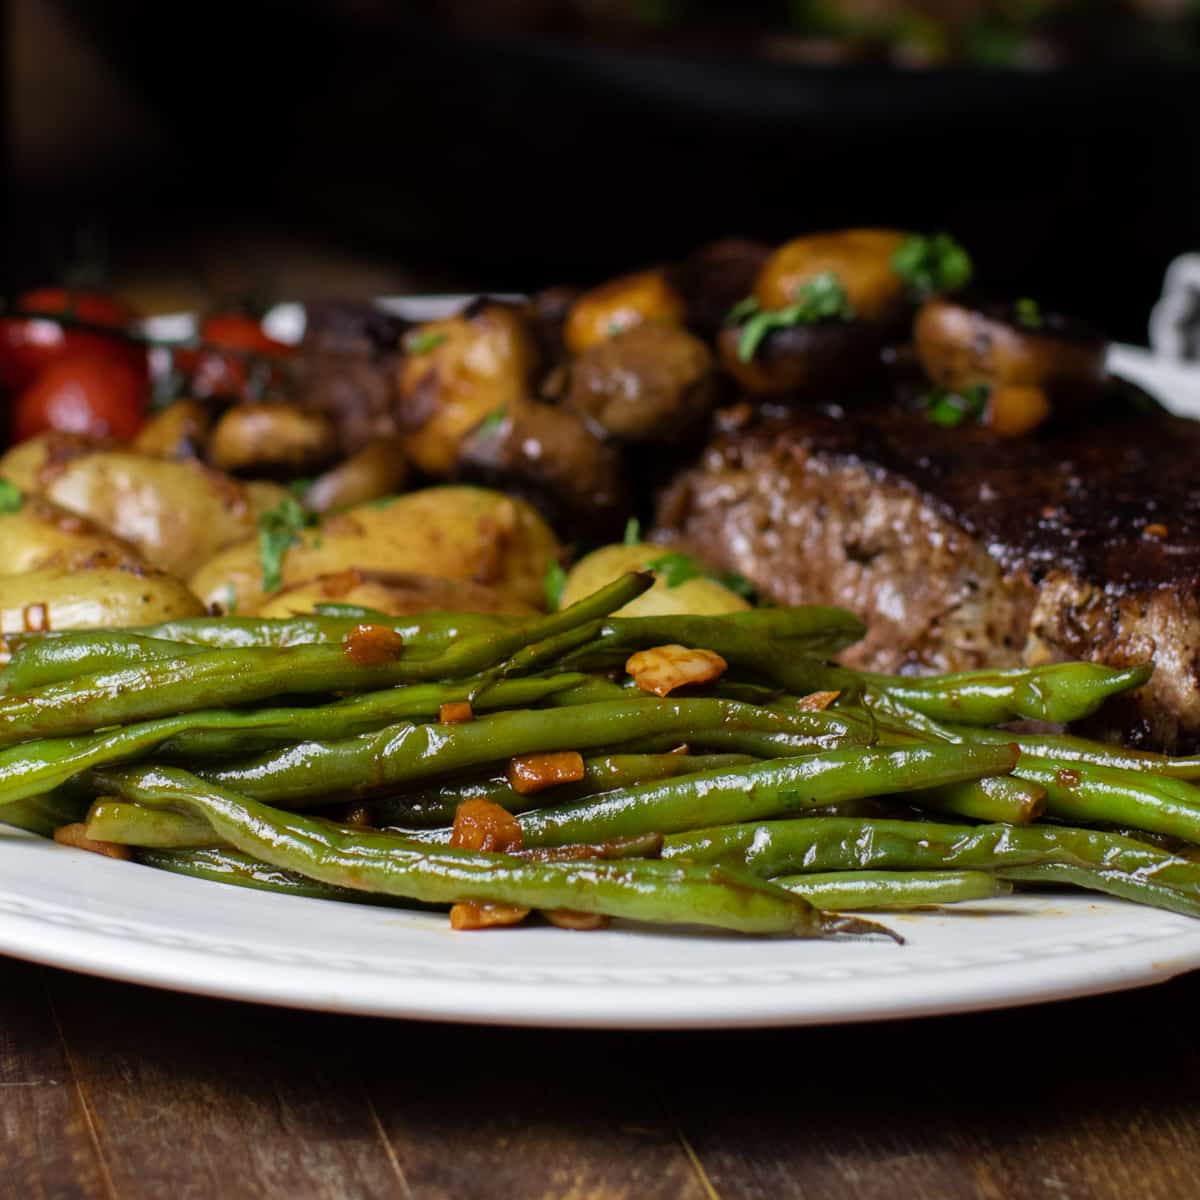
x,y
317,147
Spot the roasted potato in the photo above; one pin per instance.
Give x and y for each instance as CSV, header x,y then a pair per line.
x,y
457,372
650,383
464,533
619,304
83,597
378,469
178,431
270,439
697,596
860,258
177,515
41,535
33,463
964,341
393,593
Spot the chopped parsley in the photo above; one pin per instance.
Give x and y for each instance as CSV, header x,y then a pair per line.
x,y
424,340
278,529
492,421
633,532
675,568
553,584
1029,313
822,298
931,263
10,497
952,409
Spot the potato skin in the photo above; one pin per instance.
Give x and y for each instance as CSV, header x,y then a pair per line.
x,y
177,515
82,598
399,595
455,532
698,597
33,463
483,363
178,431
378,469
41,535
860,258
620,304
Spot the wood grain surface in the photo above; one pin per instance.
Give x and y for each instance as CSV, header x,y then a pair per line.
x,y
109,1090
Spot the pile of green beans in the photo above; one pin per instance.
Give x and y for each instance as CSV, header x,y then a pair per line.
x,y
265,754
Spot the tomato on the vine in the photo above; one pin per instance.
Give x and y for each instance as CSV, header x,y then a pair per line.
x,y
28,345
86,393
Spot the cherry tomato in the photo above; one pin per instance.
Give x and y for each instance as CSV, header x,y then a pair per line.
x,y
29,345
97,395
217,374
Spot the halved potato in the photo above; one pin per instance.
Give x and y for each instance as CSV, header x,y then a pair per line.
x,y
394,593
81,598
177,515
698,596
461,533
40,535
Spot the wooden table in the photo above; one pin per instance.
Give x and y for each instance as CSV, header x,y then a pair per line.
x,y
108,1090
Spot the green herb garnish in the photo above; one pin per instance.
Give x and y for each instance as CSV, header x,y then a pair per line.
x,y
822,298
676,568
553,584
279,528
423,341
746,307
10,497
951,409
1029,313
298,488
492,421
633,532
931,263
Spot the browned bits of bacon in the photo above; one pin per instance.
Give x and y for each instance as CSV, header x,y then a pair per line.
x,y
35,618
76,835
481,825
486,916
568,918
535,772
457,712
373,645
1155,530
662,669
817,701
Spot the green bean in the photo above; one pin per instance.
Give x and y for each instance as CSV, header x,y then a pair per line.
x,y
37,766
637,889
1062,692
840,891
437,805
44,814
776,848
223,865
1114,883
135,825
404,754
997,798
773,788
50,660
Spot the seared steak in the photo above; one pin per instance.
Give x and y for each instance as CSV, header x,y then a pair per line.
x,y
961,549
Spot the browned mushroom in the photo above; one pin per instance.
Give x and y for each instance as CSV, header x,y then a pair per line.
x,y
619,304
649,383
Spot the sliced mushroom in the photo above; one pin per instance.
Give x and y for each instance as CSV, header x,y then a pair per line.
x,y
649,383
551,457
271,438
964,342
378,469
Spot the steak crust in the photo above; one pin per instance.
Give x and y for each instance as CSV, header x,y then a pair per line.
x,y
963,550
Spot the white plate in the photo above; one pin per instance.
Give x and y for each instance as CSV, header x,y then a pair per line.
x,y
68,909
